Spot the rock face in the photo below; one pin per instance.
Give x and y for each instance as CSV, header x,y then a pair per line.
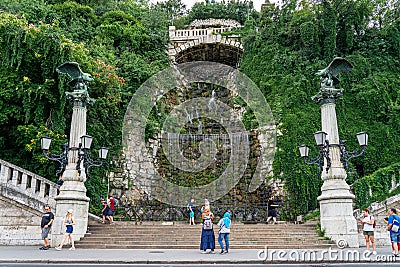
x,y
207,137
209,144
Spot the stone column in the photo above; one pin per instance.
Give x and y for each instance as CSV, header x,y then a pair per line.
x,y
73,191
336,200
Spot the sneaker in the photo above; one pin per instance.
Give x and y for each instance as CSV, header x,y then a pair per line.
x,y
396,255
72,248
58,248
42,247
226,251
203,251
374,252
212,252
222,252
46,248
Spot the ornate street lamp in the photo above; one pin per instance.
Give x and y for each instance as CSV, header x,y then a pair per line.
x,y
336,200
83,154
323,146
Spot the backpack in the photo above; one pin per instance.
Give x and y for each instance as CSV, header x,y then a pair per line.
x,y
395,225
115,202
207,224
370,218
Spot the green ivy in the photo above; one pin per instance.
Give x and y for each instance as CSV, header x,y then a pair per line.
x,y
379,183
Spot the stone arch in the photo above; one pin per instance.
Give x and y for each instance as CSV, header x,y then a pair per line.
x,y
208,48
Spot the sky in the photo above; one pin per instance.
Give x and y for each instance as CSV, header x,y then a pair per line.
x,y
189,3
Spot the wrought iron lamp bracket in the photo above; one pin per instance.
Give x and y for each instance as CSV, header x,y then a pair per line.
x,y
345,155
61,158
319,160
89,162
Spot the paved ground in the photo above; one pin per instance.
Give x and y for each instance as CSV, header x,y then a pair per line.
x,y
87,257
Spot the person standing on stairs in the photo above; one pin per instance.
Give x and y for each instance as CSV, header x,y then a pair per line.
x,y
190,208
271,210
105,211
111,212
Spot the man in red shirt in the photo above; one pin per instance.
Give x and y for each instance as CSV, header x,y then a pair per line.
x,y
112,208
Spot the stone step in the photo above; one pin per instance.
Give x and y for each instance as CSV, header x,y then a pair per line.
x,y
197,242
196,246
197,237
238,226
155,235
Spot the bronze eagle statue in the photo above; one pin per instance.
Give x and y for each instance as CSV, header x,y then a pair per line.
x,y
79,81
330,73
74,72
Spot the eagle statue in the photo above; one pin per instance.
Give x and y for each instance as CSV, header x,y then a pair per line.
x,y
79,81
74,72
330,73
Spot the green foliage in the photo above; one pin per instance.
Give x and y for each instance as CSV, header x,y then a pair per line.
x,y
120,43
292,43
379,182
312,215
236,10
320,231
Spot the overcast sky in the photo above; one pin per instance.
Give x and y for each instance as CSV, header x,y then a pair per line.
x,y
189,3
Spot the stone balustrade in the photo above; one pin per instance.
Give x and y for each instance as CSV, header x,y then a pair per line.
x,y
191,34
23,196
26,187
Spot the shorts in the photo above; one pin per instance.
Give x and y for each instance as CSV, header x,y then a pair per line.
x,y
272,213
45,232
368,233
394,237
69,229
191,214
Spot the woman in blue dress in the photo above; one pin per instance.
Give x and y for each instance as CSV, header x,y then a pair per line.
x,y
207,232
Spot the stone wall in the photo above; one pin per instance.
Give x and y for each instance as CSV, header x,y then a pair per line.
x,y
20,224
23,196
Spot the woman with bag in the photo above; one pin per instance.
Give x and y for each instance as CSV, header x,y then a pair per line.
x,y
207,232
224,231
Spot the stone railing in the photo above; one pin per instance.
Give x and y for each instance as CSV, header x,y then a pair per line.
x,y
26,187
184,35
214,22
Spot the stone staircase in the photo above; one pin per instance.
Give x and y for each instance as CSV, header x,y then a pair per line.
x,y
155,235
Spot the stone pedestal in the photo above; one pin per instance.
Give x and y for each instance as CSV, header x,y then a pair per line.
x,y
73,191
336,200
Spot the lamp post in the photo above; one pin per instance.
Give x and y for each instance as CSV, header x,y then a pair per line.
x,y
336,200
74,157
323,146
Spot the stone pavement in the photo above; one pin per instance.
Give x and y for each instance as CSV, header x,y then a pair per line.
x,y
31,254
